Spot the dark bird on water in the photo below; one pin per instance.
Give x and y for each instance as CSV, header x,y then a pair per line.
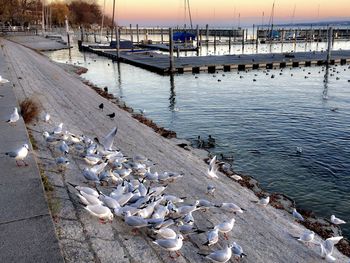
x,y
101,106
112,115
105,89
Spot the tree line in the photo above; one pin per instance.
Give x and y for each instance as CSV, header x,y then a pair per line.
x,y
29,12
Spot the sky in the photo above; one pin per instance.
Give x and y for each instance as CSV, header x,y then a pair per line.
x,y
226,12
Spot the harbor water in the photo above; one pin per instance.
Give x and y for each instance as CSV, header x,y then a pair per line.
x,y
257,119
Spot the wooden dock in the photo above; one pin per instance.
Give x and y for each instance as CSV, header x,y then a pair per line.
x,y
160,63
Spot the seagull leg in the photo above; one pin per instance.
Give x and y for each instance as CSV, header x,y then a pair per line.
x,y
170,256
135,231
225,235
25,164
178,253
18,164
102,221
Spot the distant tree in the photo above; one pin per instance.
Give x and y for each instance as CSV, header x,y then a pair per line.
x,y
59,12
84,12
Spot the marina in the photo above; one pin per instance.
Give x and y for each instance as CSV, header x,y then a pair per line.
x,y
161,64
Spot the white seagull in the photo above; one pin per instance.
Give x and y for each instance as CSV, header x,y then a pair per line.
x,y
337,221
100,211
171,244
3,81
14,117
47,117
212,169
220,256
20,154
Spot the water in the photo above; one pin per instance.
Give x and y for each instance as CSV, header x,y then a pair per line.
x,y
260,123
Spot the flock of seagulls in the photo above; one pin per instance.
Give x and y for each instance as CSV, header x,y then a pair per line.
x,y
139,197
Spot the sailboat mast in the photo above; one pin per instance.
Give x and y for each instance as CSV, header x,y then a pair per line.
x,y
113,20
189,13
43,16
103,18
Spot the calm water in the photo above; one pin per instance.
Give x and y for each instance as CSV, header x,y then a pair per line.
x,y
260,123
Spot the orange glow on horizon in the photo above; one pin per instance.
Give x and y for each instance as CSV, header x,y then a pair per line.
x,y
203,11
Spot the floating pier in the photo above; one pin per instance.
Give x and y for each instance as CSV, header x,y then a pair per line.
x,y
161,64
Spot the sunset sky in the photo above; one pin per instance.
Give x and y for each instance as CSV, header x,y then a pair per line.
x,y
225,12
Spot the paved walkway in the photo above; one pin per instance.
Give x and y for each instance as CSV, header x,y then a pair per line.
x,y
264,233
27,232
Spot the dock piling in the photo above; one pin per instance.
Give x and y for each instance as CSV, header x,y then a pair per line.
x,y
171,51
137,34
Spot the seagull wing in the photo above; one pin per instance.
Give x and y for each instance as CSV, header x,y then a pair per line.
x,y
107,142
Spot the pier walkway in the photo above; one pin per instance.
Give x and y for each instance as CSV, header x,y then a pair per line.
x,y
27,232
196,64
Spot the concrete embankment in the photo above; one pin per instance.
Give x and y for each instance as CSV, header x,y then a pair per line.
x,y
27,233
264,233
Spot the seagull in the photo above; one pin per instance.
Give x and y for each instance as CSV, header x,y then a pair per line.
x,y
47,117
107,142
62,161
14,117
226,227
220,256
100,211
85,189
20,154
166,233
307,237
213,237
64,148
90,176
210,190
231,207
212,168
264,201
297,215
58,129
87,199
101,106
3,81
135,221
327,246
337,221
171,244
111,116
237,250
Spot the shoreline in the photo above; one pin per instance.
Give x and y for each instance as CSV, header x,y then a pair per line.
x,y
82,238
278,200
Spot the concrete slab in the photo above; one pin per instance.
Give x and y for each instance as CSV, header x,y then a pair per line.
x,y
30,240
22,200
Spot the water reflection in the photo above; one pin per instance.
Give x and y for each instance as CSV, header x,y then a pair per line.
x,y
325,83
172,98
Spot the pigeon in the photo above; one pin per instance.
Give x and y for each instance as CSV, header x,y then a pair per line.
x,y
101,106
14,117
111,116
20,154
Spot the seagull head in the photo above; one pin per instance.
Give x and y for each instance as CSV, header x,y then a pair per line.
x,y
179,236
26,146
